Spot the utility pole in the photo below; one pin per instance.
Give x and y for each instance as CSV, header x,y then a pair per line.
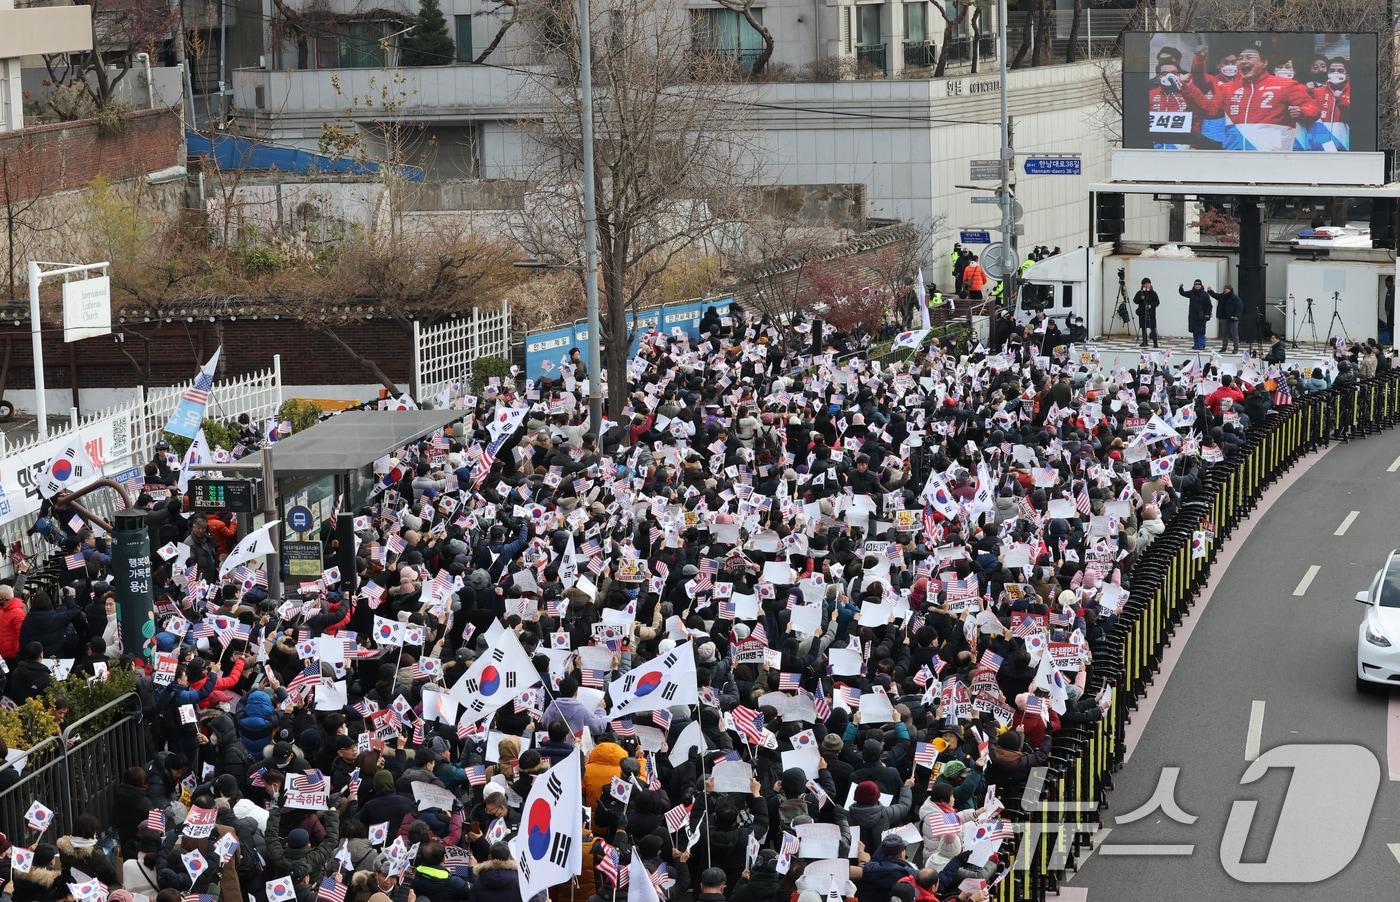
x,y
590,225
1008,157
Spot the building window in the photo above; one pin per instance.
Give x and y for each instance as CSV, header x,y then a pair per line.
x,y
328,47
361,47
727,32
916,22
464,39
868,25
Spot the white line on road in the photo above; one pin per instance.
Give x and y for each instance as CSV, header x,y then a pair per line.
x,y
1394,849
1256,730
1346,524
1395,465
1392,737
1307,580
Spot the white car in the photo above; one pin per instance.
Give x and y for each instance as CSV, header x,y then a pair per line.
x,y
1378,638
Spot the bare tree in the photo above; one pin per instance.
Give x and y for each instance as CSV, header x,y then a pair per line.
x,y
120,30
962,10
671,150
745,8
23,186
505,26
1072,47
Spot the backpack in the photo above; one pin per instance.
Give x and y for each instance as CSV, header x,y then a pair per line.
x,y
791,809
167,724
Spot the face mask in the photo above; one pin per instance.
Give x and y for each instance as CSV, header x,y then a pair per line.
x,y
1337,78
1229,71
1284,73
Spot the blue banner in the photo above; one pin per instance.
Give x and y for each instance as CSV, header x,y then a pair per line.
x,y
554,345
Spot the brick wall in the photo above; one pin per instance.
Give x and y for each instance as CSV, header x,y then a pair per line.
x,y
177,350
66,156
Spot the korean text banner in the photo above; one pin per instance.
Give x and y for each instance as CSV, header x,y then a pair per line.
x,y
1249,91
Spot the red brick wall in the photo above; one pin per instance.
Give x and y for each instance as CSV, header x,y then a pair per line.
x,y
177,350
67,155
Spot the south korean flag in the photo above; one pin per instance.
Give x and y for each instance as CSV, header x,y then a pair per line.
x,y
548,847
498,676
659,683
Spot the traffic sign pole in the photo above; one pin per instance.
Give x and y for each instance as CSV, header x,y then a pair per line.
x,y
1008,156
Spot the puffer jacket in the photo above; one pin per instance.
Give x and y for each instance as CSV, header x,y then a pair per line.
x,y
939,849
875,820
604,763
495,881
231,756
256,720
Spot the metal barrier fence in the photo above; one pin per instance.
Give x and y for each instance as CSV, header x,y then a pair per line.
x,y
1070,793
443,354
74,773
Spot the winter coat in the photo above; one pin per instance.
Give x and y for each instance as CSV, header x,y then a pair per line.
x,y
760,886
38,885
232,756
604,763
1198,313
878,877
300,862
875,820
437,885
27,679
90,861
12,615
256,719
52,629
494,881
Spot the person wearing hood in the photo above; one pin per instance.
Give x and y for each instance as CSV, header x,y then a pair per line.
x,y
29,676
872,817
387,804
1011,763
224,749
1198,312
493,816
604,763
130,804
495,879
43,881
725,836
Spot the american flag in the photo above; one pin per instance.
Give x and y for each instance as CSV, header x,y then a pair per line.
x,y
418,733
922,678
1029,626
749,723
331,890
678,817
943,823
662,718
373,593
198,392
258,777
989,661
155,822
310,781
1002,830
74,561
821,704
624,729
789,682
659,878
960,589
1282,396
726,609
476,775
307,678
1035,705
611,865
197,897
850,695
352,784
760,632
925,754
364,707
1061,617
1081,501
705,579
591,677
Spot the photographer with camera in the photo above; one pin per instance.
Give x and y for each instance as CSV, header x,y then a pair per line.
x,y
1146,301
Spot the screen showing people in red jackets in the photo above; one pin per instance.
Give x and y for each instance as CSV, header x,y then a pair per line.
x,y
1250,91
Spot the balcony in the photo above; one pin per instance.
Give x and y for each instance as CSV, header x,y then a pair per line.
x,y
740,60
872,55
920,54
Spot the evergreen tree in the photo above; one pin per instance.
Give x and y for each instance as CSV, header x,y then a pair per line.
x,y
428,44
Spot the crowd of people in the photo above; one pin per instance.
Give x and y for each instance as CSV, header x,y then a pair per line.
x,y
800,622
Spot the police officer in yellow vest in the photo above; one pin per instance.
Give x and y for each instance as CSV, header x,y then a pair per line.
x,y
999,293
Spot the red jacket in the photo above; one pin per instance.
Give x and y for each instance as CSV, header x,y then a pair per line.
x,y
11,621
1260,101
224,533
1333,106
1225,391
235,673
920,894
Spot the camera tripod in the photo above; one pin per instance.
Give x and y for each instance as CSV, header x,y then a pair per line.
x,y
1307,321
1335,321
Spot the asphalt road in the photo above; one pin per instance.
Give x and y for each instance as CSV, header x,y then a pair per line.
x,y
1260,655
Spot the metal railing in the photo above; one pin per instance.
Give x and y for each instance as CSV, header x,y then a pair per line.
x,y
873,55
920,54
74,773
742,59
1063,813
